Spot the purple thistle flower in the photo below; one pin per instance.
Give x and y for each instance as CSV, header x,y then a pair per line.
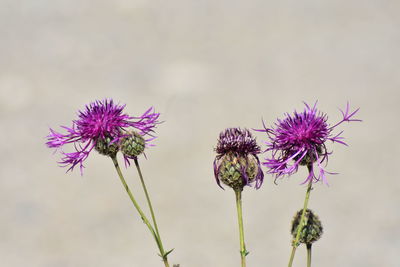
x,y
237,163
300,140
100,121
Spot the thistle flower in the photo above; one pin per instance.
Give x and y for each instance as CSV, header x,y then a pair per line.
x,y
300,139
101,126
237,163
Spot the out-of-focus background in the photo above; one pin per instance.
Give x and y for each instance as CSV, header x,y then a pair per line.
x,y
205,65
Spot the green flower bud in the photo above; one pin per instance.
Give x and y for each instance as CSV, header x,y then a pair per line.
x,y
104,147
310,157
133,145
231,168
312,228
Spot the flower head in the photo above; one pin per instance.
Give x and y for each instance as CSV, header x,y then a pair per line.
x,y
312,229
100,126
300,139
237,163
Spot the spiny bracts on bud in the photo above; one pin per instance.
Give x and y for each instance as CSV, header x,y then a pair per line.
x,y
233,168
105,147
237,163
312,228
132,145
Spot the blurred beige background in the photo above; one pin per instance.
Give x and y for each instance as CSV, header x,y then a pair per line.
x,y
205,65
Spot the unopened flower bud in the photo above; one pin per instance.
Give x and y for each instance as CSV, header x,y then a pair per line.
x,y
311,230
132,145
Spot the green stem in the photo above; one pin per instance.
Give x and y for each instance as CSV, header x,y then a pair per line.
x,y
142,215
309,255
153,217
243,251
295,243
292,255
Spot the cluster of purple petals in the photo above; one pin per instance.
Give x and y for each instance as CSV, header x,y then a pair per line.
x,y
240,142
303,135
99,119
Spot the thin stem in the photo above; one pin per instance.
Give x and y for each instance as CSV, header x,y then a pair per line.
x,y
309,255
295,243
142,215
292,255
153,217
243,251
